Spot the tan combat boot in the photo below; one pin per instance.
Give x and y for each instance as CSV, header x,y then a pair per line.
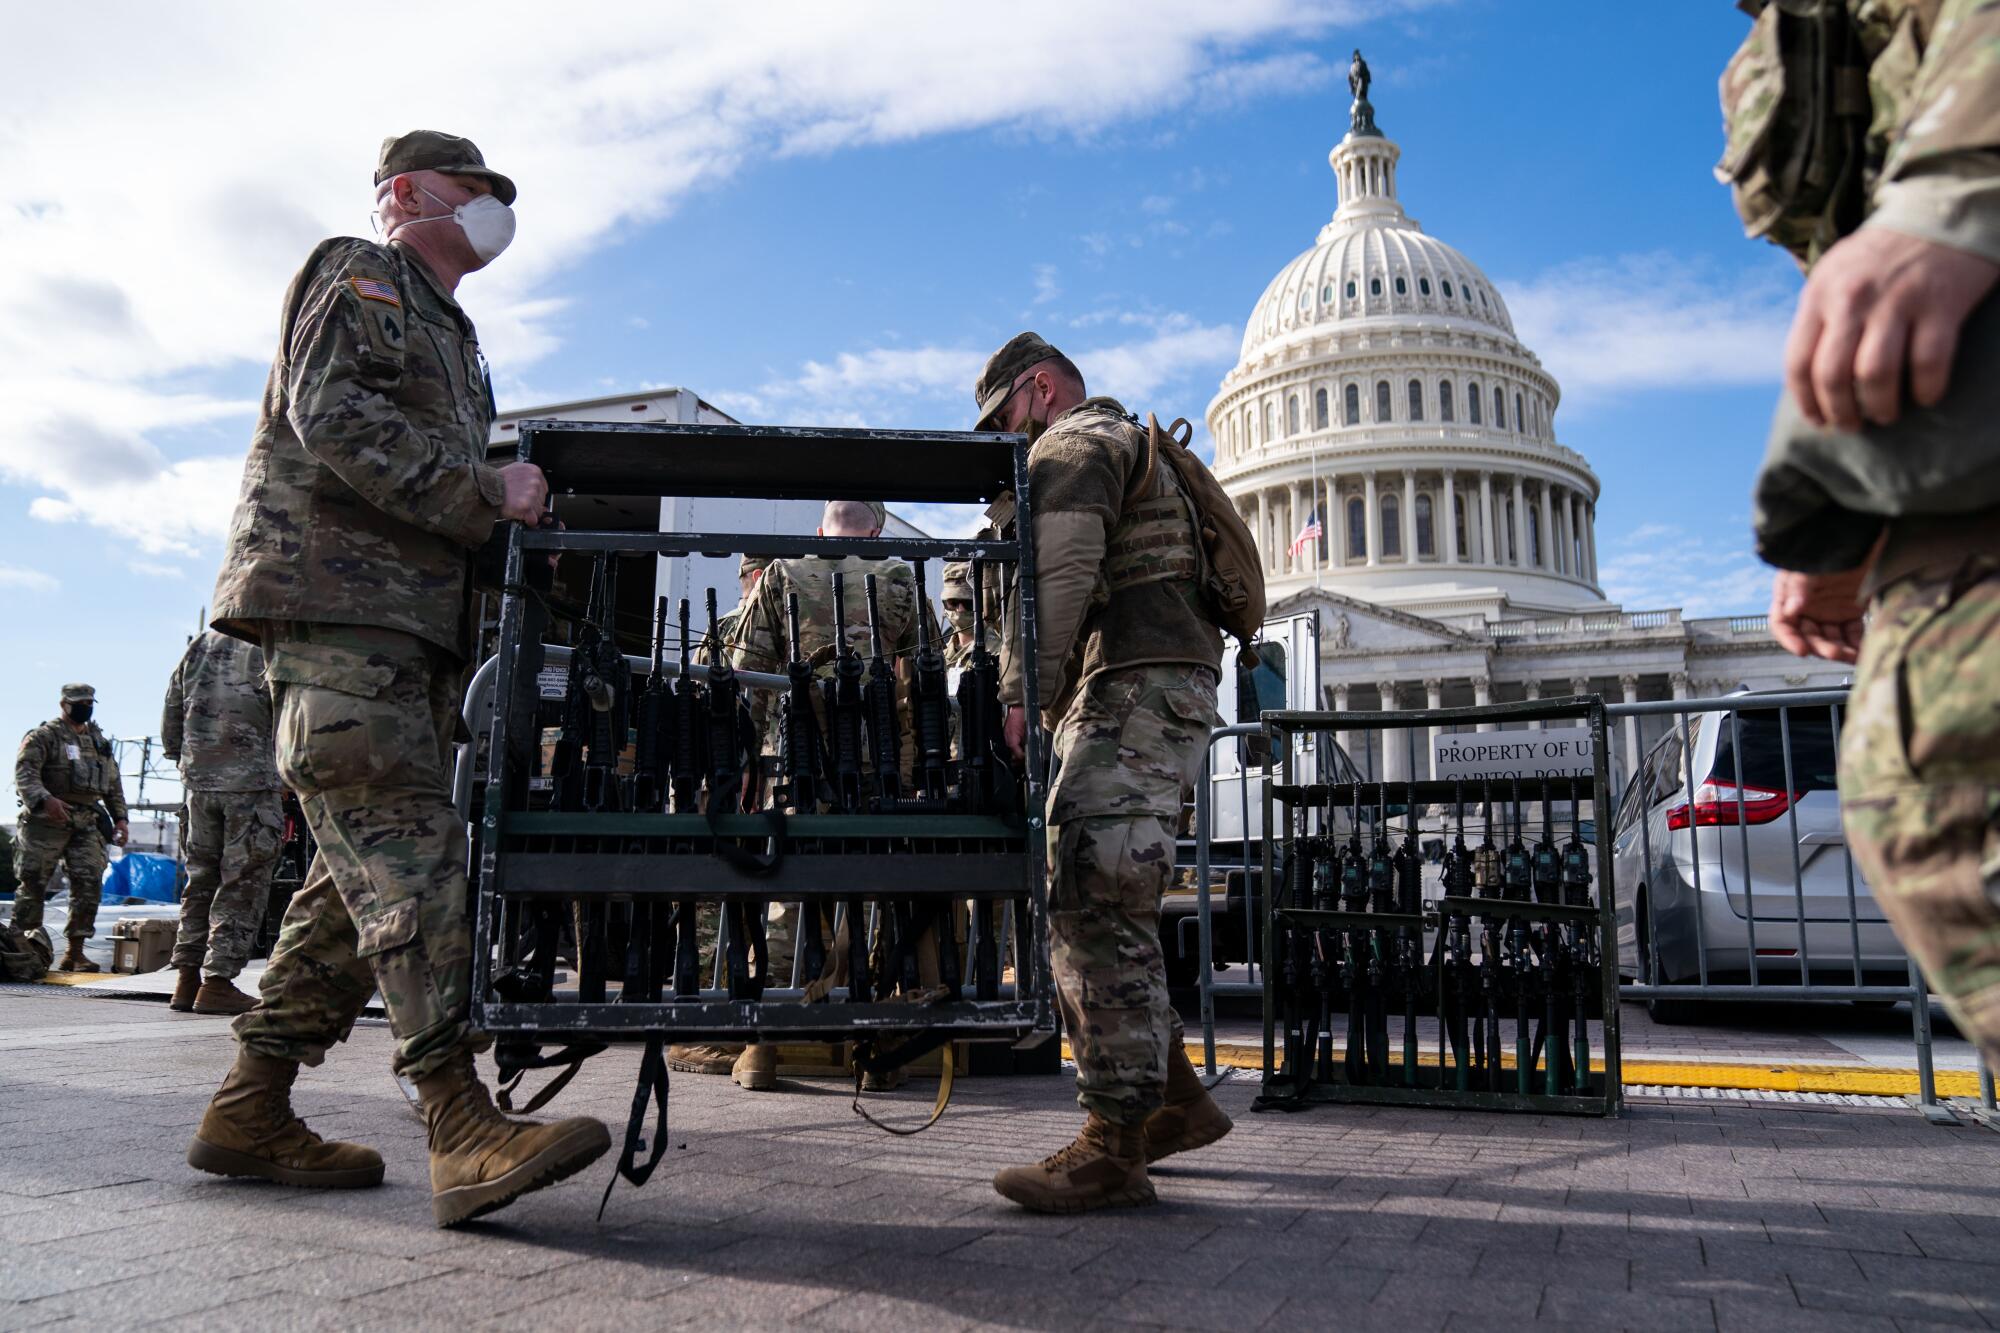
x,y
1104,1168
74,961
1190,1118
481,1160
218,995
250,1130
185,987
706,1058
757,1068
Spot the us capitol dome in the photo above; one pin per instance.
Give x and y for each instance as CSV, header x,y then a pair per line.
x,y
1392,443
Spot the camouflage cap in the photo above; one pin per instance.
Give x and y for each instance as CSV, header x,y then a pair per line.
x,y
751,564
434,150
1002,369
957,581
78,694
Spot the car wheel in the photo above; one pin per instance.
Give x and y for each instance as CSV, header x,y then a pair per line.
x,y
1666,1012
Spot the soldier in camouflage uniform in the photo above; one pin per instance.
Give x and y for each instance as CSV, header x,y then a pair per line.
x,y
1880,508
65,767
351,556
958,614
1126,673
216,725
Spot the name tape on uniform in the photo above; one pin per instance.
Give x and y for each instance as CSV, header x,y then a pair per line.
x,y
1509,754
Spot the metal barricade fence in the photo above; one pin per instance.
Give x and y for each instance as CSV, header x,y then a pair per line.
x,y
1706,830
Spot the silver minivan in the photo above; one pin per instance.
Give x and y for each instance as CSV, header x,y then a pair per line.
x,y
1722,857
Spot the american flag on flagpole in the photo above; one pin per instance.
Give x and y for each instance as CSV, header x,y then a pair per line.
x,y
1308,534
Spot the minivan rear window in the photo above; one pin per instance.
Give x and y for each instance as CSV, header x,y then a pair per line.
x,y
1763,750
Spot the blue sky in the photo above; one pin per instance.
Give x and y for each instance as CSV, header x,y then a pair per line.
x,y
830,214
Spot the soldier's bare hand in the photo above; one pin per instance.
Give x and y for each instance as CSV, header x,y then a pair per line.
x,y
54,809
121,832
1818,615
527,492
1881,309
1014,730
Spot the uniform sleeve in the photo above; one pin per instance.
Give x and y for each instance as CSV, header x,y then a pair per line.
x,y
1941,180
114,796
758,646
28,770
170,713
340,382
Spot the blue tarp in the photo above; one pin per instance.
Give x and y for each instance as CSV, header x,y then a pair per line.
x,y
141,875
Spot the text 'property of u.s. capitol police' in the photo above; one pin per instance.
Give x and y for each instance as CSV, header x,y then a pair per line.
x,y
1511,754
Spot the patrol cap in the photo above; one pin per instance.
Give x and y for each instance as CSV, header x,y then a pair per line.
x,y
434,150
72,694
750,564
1002,369
957,581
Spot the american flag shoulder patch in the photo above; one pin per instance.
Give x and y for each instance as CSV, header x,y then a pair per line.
x,y
374,289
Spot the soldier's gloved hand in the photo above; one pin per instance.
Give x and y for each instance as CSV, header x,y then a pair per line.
x,y
54,809
122,833
526,493
1014,730
1879,309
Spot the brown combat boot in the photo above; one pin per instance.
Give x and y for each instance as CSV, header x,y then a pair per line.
x,y
74,961
1104,1168
757,1068
250,1130
706,1058
481,1160
185,987
218,995
1190,1118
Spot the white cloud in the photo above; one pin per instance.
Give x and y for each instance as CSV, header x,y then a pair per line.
x,y
1046,287
154,569
1659,565
28,580
123,286
1607,326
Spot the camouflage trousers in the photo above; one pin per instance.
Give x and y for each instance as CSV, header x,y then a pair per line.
x,y
230,840
1130,745
1920,783
364,720
40,846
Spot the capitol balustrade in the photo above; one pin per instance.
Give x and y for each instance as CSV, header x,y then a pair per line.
x,y
1555,629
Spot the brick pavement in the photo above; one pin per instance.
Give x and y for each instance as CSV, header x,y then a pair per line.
x,y
785,1209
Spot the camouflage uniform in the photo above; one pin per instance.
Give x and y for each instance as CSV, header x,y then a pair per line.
x,y
78,768
217,725
364,498
1920,751
1128,667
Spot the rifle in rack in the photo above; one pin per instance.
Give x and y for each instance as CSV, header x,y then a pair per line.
x,y
687,764
844,745
1490,882
930,708
804,758
1517,879
1547,940
730,749
1409,943
987,781
597,708
1326,953
655,717
1581,953
885,742
1353,896
1454,953
1295,958
1381,896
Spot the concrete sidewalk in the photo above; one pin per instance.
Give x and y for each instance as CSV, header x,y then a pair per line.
x,y
775,1209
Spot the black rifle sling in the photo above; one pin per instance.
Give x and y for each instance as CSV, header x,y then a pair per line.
x,y
514,1066
749,863
652,1088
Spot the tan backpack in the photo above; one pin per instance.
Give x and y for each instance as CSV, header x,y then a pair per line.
x,y
1231,574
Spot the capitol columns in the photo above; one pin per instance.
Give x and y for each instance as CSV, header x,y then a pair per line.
x,y
1450,519
1434,699
1395,744
1575,547
1482,695
1520,524
1590,536
1487,519
1264,528
1531,690
1410,517
1630,686
1579,686
1341,736
1371,516
1548,531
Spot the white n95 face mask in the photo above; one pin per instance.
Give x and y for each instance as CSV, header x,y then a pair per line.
x,y
487,223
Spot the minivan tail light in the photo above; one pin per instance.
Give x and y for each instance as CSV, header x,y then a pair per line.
x,y
1717,803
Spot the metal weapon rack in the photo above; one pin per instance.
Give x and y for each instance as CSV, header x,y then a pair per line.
x,y
635,870
1510,947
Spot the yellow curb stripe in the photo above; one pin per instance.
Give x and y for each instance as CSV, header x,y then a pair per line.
x,y
1862,1080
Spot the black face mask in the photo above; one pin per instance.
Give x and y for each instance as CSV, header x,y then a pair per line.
x,y
78,713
